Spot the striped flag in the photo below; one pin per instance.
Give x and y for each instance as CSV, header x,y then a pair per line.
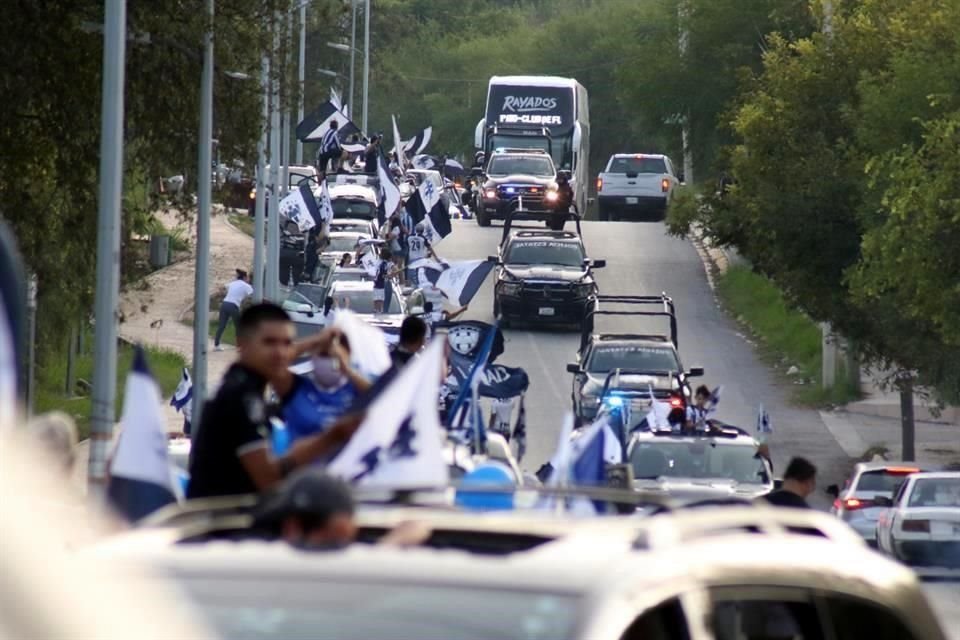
x,y
459,280
140,478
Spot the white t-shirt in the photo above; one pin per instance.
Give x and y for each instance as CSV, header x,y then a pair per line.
x,y
417,248
238,291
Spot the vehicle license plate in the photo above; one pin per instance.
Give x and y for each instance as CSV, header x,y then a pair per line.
x,y
632,201
546,311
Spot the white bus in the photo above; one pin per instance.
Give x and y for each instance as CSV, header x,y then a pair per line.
x,y
541,112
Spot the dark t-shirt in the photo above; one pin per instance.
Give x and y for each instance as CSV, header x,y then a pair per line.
x,y
233,423
784,498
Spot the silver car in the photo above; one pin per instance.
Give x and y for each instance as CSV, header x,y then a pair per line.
x,y
856,503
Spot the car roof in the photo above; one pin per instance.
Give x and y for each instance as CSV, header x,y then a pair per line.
x,y
741,439
559,236
348,234
935,475
615,339
658,156
347,286
348,221
879,465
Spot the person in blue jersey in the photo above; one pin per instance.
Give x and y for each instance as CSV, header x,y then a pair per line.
x,y
309,404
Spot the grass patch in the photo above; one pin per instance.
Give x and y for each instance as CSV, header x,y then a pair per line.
x,y
243,222
785,333
165,365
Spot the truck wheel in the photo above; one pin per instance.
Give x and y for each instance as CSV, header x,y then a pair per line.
x,y
556,223
483,218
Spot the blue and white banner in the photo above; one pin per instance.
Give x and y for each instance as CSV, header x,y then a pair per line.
x,y
400,442
427,205
301,207
764,423
415,145
495,381
324,206
459,281
312,128
390,198
368,345
140,480
182,399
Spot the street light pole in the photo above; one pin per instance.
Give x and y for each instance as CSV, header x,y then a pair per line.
x,y
353,55
108,242
273,223
300,75
201,287
366,65
261,184
285,126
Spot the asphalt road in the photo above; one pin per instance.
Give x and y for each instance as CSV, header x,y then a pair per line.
x,y
642,259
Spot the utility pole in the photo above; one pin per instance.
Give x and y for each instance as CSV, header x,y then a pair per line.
x,y
201,286
108,242
366,66
683,19
353,56
300,75
271,289
261,184
285,150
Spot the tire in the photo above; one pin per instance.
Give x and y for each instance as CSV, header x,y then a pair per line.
x,y
483,220
496,307
602,212
556,224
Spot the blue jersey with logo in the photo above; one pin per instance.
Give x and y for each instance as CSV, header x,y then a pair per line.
x,y
309,409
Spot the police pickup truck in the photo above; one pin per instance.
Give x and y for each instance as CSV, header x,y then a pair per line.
x,y
636,185
520,183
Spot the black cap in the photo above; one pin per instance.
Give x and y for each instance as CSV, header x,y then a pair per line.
x,y
309,492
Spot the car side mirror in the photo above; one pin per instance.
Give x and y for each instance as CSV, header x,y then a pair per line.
x,y
695,372
681,178
493,259
833,491
883,501
573,367
599,264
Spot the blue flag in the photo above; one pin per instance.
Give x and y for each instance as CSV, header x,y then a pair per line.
x,y
141,479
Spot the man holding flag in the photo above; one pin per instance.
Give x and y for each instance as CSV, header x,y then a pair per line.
x,y
330,149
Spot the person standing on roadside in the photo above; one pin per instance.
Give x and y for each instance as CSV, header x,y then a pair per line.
x,y
799,482
231,447
237,291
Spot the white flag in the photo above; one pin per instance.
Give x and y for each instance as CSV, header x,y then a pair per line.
x,y
389,191
324,204
460,280
400,442
368,345
398,145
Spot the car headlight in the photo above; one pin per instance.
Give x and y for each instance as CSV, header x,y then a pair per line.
x,y
583,289
590,402
253,194
490,194
510,289
551,196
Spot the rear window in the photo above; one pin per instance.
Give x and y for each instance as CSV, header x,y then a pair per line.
x,y
344,208
637,165
881,481
268,608
936,492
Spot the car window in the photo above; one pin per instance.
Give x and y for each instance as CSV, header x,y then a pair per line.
x,y
637,165
665,458
568,254
935,492
605,358
353,227
290,608
881,480
854,619
764,612
345,208
901,491
528,166
361,301
664,622
341,244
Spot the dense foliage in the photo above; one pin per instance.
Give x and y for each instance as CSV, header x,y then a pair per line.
x,y
848,183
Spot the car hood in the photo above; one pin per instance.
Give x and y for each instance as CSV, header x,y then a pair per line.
x,y
640,383
519,178
703,488
545,272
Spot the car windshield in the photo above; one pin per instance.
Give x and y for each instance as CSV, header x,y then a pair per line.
x,y
377,610
294,178
606,358
935,492
346,208
523,165
637,165
341,244
361,301
350,227
653,459
567,254
881,481
311,293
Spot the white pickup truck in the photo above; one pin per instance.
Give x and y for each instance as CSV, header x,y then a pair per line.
x,y
635,185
